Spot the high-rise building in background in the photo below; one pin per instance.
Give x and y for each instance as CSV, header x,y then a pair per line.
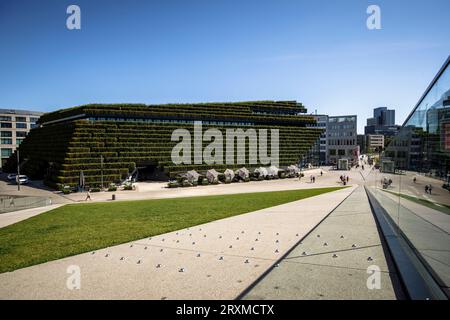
x,y
383,122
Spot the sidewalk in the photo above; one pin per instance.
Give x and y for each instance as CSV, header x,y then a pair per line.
x,y
332,261
9,218
217,260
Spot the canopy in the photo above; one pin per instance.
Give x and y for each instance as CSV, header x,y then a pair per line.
x,y
261,171
212,176
243,173
273,171
192,176
229,174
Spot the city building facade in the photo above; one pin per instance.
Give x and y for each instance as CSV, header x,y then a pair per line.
x,y
374,143
342,139
14,127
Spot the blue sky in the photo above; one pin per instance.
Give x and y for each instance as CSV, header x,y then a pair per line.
x,y
317,52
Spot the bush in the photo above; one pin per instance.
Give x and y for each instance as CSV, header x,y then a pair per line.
x,y
205,182
95,189
112,187
66,191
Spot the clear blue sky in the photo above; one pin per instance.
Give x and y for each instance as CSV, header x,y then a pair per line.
x,y
317,52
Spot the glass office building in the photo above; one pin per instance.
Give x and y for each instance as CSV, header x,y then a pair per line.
x,y
412,193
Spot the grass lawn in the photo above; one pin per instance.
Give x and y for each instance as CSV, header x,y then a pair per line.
x,y
430,204
78,228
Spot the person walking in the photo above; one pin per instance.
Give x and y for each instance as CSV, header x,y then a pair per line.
x,y
415,179
88,196
321,173
426,188
430,188
347,179
314,179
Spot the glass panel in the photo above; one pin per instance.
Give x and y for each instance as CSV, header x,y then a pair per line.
x,y
412,183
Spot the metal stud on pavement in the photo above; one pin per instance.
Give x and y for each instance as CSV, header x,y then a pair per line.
x,y
158,265
335,255
369,259
181,270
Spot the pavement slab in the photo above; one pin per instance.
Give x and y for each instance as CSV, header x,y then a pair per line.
x,y
332,261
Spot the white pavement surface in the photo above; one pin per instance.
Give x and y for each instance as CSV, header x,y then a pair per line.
x,y
217,260
9,218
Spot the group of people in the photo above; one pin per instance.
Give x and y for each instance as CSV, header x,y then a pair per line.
x,y
344,179
428,188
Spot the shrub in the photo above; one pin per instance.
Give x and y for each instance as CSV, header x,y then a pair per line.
x,y
112,187
95,189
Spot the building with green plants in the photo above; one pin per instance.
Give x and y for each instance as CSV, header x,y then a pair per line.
x,y
109,142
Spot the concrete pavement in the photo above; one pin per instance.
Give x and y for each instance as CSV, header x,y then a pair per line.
x,y
332,261
217,260
9,218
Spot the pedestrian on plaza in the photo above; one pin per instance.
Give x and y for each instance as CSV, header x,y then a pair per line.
x,y
321,173
430,188
415,179
88,196
426,188
314,179
347,179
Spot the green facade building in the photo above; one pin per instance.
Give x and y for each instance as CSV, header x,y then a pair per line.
x,y
111,141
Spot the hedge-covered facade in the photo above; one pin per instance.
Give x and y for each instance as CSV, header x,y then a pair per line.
x,y
127,136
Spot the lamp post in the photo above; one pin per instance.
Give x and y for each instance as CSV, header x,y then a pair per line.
x,y
101,168
18,170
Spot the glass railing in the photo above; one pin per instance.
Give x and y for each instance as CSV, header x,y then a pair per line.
x,y
14,203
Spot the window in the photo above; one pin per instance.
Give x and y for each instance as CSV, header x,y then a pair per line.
x,y
33,119
332,152
341,152
6,134
6,125
6,153
33,125
21,134
6,141
5,118
21,125
21,119
19,141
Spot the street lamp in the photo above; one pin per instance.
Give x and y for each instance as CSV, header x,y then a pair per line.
x,y
18,170
101,168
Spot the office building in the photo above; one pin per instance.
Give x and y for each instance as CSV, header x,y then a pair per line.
x,y
14,127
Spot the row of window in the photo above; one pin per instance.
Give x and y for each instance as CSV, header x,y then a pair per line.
x,y
172,121
342,142
19,125
341,134
18,119
9,134
6,152
10,141
340,152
